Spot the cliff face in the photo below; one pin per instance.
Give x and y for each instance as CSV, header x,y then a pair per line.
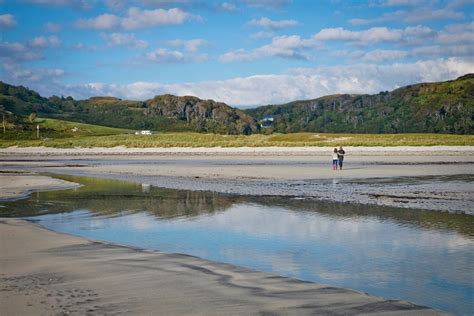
x,y
440,107
205,115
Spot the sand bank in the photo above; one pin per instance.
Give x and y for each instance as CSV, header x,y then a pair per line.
x,y
435,178
16,186
44,272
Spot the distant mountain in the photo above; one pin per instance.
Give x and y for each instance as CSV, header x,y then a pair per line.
x,y
162,113
441,107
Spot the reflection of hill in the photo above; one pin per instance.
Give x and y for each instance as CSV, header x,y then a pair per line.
x,y
460,223
112,197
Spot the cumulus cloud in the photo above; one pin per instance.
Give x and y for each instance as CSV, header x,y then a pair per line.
x,y
52,27
82,4
7,21
302,83
457,34
166,56
411,34
192,45
225,6
262,35
266,4
14,52
123,39
15,73
116,4
271,24
380,55
44,41
137,18
290,47
84,47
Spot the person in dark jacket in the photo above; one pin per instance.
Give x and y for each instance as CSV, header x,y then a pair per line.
x,y
340,157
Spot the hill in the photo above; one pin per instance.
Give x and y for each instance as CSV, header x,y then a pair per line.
x,y
441,107
162,113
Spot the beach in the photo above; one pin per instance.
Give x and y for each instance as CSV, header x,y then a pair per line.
x,y
434,178
45,272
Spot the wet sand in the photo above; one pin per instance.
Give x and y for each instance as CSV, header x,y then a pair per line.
x,y
44,272
434,178
47,273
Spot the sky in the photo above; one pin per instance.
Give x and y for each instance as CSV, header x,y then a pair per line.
x,y
242,52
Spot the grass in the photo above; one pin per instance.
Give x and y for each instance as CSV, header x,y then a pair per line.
x,y
60,134
188,139
65,128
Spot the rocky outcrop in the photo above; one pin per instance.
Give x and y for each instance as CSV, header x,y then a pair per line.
x,y
203,115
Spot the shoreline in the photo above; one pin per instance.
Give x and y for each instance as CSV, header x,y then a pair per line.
x,y
425,178
308,150
60,273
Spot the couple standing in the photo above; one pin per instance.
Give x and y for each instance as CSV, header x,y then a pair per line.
x,y
338,158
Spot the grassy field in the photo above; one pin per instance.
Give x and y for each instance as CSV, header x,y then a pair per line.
x,y
187,139
65,134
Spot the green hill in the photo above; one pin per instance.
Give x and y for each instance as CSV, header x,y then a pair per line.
x,y
441,107
162,113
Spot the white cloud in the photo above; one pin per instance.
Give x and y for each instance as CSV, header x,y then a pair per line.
x,y
116,4
271,24
192,45
82,4
290,47
305,83
225,6
375,35
18,52
380,55
102,22
13,52
52,27
44,41
457,34
437,50
123,39
262,35
267,4
7,21
84,47
164,3
137,18
15,73
165,56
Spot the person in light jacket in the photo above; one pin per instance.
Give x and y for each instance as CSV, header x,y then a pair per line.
x,y
335,159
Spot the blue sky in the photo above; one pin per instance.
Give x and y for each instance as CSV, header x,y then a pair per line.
x,y
242,52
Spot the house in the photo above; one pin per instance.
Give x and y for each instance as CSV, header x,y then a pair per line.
x,y
267,120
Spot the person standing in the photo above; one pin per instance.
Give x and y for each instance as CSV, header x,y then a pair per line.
x,y
340,157
334,159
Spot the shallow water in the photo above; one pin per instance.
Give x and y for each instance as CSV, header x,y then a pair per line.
x,y
425,257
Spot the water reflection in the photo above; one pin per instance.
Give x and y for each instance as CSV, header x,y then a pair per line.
x,y
421,256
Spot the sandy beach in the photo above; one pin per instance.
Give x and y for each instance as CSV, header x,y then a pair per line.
x,y
47,273
434,178
44,272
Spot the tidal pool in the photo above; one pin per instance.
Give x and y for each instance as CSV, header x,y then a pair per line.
x,y
425,257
